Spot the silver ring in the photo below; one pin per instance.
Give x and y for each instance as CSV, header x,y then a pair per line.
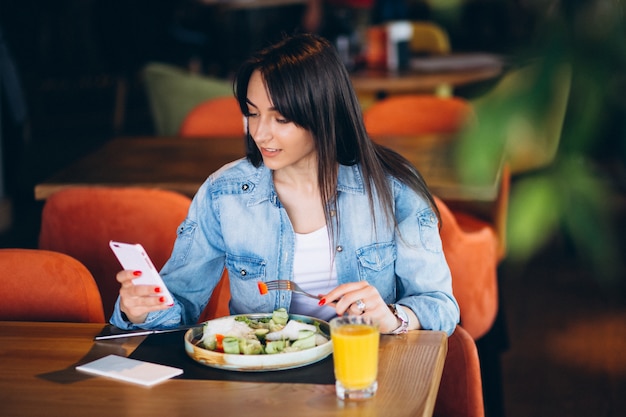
x,y
360,305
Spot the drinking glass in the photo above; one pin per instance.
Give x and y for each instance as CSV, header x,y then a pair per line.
x,y
355,356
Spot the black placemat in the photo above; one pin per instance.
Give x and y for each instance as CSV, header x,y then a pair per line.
x,y
169,349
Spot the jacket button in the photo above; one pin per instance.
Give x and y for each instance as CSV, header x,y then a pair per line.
x,y
332,213
245,187
243,272
339,248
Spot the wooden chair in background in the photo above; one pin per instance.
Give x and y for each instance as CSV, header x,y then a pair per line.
x,y
40,285
214,117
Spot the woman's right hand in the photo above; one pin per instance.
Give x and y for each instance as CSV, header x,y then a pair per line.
x,y
136,301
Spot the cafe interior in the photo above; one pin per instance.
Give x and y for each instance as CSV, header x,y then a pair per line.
x,y
512,110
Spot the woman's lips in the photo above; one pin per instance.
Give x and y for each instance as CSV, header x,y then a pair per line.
x,y
269,152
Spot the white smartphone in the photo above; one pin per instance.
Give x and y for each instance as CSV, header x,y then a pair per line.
x,y
135,258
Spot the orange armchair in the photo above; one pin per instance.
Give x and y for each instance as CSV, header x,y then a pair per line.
x,y
415,114
39,285
215,117
80,221
218,304
471,249
460,391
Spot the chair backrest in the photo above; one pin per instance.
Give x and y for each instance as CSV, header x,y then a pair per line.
x,y
80,221
429,38
173,92
472,255
414,114
220,299
215,117
40,285
460,391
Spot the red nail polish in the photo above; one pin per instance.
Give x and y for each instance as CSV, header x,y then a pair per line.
x,y
322,302
137,273
157,289
161,299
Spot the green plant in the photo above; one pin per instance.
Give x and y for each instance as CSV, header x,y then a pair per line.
x,y
574,194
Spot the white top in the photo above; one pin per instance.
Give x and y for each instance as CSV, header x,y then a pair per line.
x,y
314,270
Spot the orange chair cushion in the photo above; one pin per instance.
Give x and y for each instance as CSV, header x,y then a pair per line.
x,y
416,114
460,391
218,304
215,117
40,285
471,249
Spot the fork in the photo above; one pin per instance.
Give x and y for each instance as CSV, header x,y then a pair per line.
x,y
283,285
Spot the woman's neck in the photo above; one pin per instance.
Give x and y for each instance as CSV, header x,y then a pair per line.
x,y
300,196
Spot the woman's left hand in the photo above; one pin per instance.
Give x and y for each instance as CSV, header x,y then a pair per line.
x,y
360,298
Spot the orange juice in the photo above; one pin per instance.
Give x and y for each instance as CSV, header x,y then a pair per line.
x,y
355,355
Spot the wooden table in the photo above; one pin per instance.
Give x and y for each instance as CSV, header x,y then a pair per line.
x,y
183,164
372,82
38,379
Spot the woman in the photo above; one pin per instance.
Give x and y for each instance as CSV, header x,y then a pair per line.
x,y
316,201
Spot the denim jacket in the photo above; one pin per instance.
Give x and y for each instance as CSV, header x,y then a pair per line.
x,y
236,221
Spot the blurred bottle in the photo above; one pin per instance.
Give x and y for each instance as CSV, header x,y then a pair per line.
x,y
376,49
387,40
398,38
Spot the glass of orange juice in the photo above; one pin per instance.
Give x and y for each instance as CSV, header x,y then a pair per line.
x,y
355,356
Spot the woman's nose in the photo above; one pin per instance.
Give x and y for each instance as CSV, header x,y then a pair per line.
x,y
260,129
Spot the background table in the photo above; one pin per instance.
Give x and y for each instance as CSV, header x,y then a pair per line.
x,y
370,81
183,164
38,379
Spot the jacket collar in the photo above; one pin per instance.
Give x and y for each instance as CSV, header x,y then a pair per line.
x,y
349,180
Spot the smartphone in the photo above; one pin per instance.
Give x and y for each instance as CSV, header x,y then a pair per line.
x,y
135,258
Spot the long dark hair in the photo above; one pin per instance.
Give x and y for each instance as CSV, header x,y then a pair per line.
x,y
309,85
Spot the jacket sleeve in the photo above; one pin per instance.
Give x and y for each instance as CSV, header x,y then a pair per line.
x,y
423,277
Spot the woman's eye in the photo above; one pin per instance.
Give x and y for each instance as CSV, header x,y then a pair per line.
x,y
282,120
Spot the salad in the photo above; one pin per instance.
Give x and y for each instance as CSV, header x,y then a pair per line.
x,y
267,335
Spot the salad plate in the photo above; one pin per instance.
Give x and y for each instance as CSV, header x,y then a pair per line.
x,y
256,362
